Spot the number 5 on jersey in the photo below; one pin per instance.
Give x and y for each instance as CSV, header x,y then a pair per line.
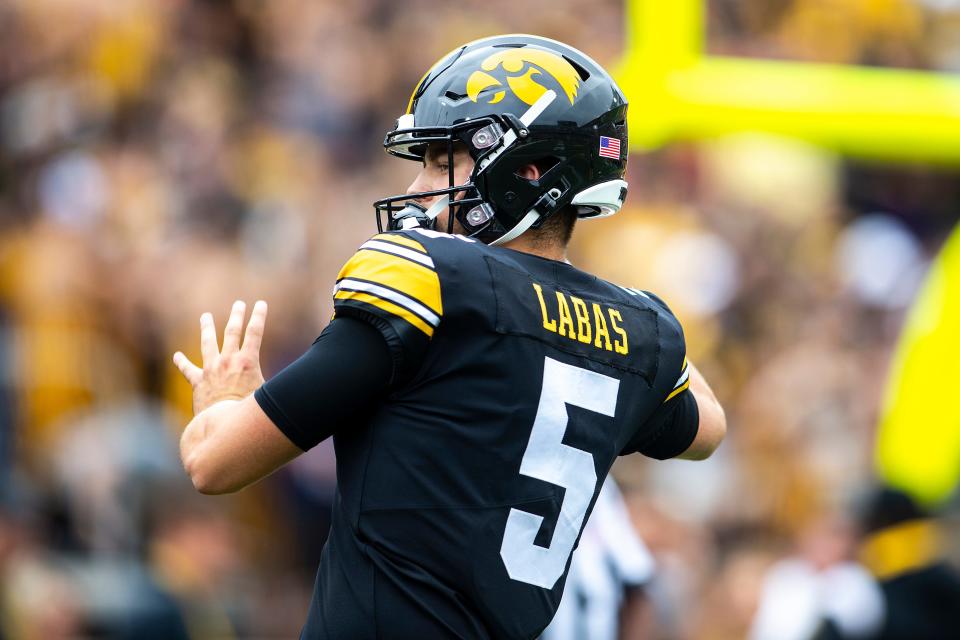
x,y
547,458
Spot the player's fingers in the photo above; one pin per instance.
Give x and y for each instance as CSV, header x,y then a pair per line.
x,y
190,371
254,335
234,328
208,339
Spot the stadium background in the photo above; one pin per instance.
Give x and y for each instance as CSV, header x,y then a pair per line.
x,y
159,159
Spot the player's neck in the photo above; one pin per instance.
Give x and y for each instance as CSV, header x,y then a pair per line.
x,y
550,251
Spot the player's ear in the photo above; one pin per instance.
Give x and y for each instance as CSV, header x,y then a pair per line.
x,y
529,172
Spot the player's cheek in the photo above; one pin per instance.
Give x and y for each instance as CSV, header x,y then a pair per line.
x,y
423,182
463,171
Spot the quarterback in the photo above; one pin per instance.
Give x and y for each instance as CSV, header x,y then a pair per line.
x,y
478,387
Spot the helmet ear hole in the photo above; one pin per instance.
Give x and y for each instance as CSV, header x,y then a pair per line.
x,y
543,165
546,164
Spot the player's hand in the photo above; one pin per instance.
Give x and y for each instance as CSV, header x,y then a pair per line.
x,y
231,373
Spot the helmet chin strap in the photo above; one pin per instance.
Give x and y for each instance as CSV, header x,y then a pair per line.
x,y
525,223
527,119
437,207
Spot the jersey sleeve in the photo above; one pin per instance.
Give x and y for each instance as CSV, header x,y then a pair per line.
x,y
392,283
673,425
342,376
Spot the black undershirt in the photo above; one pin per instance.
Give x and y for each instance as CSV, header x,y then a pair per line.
x,y
339,380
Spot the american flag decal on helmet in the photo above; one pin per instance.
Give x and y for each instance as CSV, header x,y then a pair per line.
x,y
609,147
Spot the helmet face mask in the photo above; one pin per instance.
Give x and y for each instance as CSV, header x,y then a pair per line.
x,y
411,143
514,101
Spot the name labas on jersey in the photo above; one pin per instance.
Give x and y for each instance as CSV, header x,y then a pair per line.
x,y
582,320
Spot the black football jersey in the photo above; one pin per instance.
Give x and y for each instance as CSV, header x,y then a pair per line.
x,y
517,382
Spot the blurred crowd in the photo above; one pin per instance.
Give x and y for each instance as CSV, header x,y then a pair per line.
x,y
161,158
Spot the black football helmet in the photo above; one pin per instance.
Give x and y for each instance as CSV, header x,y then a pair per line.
x,y
514,100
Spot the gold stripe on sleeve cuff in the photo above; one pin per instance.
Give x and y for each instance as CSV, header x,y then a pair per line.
x,y
679,389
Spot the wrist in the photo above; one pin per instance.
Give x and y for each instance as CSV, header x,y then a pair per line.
x,y
222,398
224,402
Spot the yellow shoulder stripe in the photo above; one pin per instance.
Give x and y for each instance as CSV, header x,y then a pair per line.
x,y
387,306
403,241
409,278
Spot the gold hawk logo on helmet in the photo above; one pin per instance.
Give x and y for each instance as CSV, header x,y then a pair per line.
x,y
523,85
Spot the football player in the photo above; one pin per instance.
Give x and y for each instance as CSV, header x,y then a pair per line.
x,y
477,385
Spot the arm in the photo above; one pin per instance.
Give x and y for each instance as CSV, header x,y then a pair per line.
x,y
232,444
690,423
712,425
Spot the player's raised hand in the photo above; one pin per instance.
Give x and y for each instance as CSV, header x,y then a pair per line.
x,y
232,372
